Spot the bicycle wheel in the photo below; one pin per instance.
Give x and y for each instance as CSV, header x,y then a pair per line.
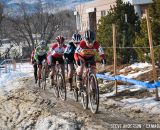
x,y
75,94
84,99
61,86
43,77
75,90
55,87
74,84
93,93
39,82
84,93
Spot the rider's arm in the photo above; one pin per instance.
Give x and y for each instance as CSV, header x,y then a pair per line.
x,y
36,53
99,49
47,49
32,57
101,53
67,51
76,54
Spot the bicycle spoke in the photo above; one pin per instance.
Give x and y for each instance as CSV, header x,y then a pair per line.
x,y
84,99
62,87
93,94
75,94
55,87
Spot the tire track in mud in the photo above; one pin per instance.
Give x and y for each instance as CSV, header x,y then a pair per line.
x,y
29,108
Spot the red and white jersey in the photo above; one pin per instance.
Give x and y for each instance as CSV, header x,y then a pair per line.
x,y
85,52
57,51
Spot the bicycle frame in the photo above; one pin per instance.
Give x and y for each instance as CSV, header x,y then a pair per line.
x,y
43,75
90,95
60,87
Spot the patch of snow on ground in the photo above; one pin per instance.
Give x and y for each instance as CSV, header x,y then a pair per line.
x,y
146,104
139,66
22,70
149,104
54,123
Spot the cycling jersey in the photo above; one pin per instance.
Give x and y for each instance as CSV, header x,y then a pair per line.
x,y
39,51
69,51
88,53
57,51
32,57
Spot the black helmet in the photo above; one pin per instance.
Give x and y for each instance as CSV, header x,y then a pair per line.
x,y
89,36
76,37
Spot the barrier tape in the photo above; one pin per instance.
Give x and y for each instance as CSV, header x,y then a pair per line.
x,y
133,81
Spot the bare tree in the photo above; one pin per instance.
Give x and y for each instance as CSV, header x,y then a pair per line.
x,y
1,13
41,22
31,25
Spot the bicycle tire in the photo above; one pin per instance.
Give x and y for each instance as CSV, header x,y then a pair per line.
x,y
75,90
93,93
74,82
84,94
84,99
75,94
55,87
43,73
61,86
39,82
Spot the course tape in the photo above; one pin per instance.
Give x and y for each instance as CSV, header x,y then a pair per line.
x,y
133,81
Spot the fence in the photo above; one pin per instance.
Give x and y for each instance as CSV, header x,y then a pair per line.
x,y
124,79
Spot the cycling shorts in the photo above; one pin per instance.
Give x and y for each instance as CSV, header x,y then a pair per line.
x,y
54,60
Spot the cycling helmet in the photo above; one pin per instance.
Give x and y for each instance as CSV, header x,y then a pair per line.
x,y
42,43
60,39
76,37
89,36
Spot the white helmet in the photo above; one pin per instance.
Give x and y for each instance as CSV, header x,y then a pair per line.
x,y
42,43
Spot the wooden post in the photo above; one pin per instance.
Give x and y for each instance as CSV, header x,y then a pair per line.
x,y
114,53
151,50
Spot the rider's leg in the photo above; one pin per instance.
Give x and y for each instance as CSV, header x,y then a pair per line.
x,y
62,65
39,71
53,62
79,76
70,74
39,62
46,68
49,56
35,71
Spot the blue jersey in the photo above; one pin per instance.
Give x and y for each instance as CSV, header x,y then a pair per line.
x,y
69,52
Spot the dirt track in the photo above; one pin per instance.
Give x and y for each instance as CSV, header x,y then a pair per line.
x,y
31,108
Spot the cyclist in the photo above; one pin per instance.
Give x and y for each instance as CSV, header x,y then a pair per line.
x,y
69,55
57,52
34,63
40,55
85,53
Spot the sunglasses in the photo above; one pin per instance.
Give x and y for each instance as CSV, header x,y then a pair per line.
x,y
90,42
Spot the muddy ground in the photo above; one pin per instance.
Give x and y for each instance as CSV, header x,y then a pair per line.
x,y
30,108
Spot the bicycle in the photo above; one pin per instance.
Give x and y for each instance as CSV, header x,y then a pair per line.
x,y
35,66
59,87
73,79
42,80
90,90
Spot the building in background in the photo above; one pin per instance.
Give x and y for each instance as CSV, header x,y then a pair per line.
x,y
139,6
88,14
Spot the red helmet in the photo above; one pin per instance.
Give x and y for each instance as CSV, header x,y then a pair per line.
x,y
60,39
